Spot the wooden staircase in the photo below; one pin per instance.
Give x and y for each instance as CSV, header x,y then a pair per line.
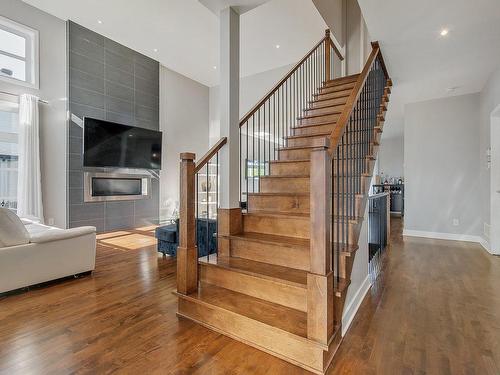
x,y
262,288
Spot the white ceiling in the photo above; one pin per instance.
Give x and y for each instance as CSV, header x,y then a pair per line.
x,y
186,33
240,6
423,64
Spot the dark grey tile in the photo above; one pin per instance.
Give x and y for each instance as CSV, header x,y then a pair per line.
x,y
146,72
120,118
114,223
147,62
146,100
78,78
86,97
153,125
119,208
120,62
147,114
86,211
120,92
147,207
75,162
145,221
119,49
75,131
86,65
86,48
97,223
75,196
119,76
75,180
85,33
75,145
119,106
148,87
82,111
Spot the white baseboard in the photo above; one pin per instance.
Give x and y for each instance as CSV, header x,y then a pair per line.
x,y
351,310
448,236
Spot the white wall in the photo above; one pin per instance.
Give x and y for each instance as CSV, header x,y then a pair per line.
x,y
252,89
391,156
489,100
184,113
53,88
441,166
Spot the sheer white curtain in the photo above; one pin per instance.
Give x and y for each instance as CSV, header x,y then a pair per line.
x,y
29,186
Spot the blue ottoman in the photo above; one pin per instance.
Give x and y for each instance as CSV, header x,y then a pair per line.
x,y
206,235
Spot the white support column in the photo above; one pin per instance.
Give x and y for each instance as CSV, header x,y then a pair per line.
x,y
229,107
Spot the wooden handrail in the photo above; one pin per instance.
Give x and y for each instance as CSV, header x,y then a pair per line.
x,y
339,129
205,159
275,88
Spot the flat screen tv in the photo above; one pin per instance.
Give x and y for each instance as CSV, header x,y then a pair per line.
x,y
108,144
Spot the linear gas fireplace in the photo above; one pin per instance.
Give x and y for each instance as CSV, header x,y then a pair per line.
x,y
99,186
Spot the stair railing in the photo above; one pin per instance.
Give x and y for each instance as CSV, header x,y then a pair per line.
x,y
339,177
265,128
198,224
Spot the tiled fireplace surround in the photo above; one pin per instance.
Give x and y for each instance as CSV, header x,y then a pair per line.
x,y
111,82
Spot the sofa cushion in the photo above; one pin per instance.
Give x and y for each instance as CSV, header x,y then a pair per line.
x,y
12,229
167,233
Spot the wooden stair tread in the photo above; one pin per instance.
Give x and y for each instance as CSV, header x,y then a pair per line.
x,y
345,249
281,317
319,115
271,238
284,215
273,272
315,135
346,95
341,286
333,122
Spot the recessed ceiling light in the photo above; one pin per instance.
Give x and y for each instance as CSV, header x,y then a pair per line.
x,y
99,22
444,32
215,68
155,50
452,89
277,46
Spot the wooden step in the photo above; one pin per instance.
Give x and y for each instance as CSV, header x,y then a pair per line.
x,y
337,88
341,80
319,119
332,95
289,167
316,104
283,251
288,225
273,283
307,140
295,153
275,329
279,202
352,226
314,129
284,184
324,110
340,286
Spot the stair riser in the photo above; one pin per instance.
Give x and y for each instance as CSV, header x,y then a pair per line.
x,y
348,183
328,103
269,290
280,226
351,228
286,256
333,95
284,185
351,80
290,204
336,88
304,142
322,111
262,336
366,165
313,129
319,119
297,168
351,152
297,154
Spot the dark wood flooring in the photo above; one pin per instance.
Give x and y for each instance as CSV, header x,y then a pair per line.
x,y
435,309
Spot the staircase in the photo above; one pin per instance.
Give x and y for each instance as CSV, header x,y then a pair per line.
x,y
280,278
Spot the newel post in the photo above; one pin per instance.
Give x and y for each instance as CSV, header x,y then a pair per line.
x,y
187,252
327,55
320,292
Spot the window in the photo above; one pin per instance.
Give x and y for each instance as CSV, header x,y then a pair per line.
x,y
18,53
8,154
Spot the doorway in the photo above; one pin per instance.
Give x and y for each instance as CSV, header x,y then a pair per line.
x,y
495,182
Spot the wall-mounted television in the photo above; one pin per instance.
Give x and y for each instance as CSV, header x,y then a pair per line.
x,y
108,144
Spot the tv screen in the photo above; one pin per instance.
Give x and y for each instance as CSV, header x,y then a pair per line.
x,y
107,144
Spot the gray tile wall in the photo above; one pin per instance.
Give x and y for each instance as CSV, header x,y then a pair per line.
x,y
111,82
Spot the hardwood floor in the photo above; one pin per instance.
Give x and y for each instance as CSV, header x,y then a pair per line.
x,y
434,310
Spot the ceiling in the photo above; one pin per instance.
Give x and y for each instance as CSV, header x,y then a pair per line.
x,y
422,63
186,32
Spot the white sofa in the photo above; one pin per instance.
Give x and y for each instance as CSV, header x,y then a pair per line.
x,y
32,253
